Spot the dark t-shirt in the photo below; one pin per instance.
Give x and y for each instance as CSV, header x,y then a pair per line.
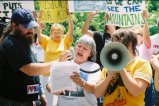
x,y
14,84
100,39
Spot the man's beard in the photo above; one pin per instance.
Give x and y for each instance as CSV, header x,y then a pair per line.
x,y
28,37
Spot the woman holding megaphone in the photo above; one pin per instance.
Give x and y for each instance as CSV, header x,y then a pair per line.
x,y
126,86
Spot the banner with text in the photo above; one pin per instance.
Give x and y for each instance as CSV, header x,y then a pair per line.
x,y
53,11
7,7
125,13
87,6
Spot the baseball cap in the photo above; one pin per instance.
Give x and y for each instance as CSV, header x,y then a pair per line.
x,y
25,17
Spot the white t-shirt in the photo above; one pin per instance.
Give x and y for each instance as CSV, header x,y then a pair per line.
x,y
38,52
154,49
89,99
144,52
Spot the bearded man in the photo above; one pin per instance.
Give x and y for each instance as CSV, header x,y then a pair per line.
x,y
19,80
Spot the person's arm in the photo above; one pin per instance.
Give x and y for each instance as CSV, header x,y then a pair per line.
x,y
134,86
43,100
39,28
34,69
146,33
111,27
156,80
79,81
155,64
85,28
102,85
71,28
42,95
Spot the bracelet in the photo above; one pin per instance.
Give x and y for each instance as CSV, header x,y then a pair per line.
x,y
84,83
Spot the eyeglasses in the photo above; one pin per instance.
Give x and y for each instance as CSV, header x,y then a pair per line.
x,y
56,33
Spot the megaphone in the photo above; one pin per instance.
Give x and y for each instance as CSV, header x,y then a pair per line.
x,y
114,56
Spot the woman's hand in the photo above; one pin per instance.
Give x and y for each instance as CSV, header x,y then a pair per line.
x,y
92,14
59,92
48,88
65,56
111,75
145,14
77,79
106,17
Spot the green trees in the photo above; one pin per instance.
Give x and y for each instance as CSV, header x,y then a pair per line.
x,y
154,15
98,21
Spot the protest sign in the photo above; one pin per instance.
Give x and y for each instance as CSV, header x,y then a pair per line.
x,y
87,6
7,7
53,11
125,13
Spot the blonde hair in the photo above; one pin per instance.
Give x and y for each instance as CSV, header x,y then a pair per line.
x,y
56,25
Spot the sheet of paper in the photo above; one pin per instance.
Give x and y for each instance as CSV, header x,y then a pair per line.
x,y
60,76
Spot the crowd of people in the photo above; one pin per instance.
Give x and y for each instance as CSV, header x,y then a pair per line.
x,y
24,81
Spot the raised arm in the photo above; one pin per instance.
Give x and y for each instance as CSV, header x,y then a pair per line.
x,y
85,28
111,28
146,33
71,28
39,29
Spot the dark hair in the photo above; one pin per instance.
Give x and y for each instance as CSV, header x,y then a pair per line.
x,y
126,37
1,32
6,32
3,23
106,28
92,28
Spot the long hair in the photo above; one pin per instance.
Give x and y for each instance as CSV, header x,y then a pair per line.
x,y
6,32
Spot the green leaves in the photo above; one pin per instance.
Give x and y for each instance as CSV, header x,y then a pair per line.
x,y
98,22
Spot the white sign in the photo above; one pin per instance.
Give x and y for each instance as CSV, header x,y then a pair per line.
x,y
125,13
6,7
87,6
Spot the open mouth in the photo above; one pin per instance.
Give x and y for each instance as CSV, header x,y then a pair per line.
x,y
79,54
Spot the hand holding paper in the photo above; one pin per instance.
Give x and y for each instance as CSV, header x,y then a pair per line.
x,y
60,76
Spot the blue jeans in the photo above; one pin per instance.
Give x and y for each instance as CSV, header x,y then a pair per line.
x,y
156,98
149,95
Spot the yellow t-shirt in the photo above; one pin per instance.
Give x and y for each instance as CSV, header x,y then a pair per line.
x,y
138,68
53,50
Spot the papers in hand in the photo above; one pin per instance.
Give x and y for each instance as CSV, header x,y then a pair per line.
x,y
60,76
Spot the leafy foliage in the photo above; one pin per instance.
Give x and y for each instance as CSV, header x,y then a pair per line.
x,y
98,21
153,9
